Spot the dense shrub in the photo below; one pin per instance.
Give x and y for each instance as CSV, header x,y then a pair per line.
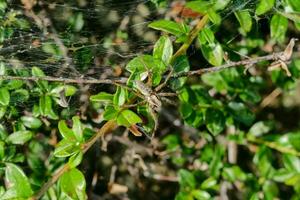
x,y
149,99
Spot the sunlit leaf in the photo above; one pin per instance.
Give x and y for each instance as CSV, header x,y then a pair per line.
x,y
4,97
31,122
279,25
264,6
128,118
168,26
72,183
18,185
163,49
19,137
245,20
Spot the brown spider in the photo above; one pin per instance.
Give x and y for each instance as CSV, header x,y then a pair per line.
x,y
154,99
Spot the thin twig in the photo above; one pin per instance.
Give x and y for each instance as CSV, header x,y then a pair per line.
x,y
192,35
274,145
283,57
251,61
65,80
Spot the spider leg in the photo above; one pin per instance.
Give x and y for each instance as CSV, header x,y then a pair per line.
x,y
135,105
168,101
167,94
159,87
155,118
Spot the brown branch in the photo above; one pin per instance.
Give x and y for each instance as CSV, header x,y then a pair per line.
x,y
65,80
107,127
281,57
192,35
250,61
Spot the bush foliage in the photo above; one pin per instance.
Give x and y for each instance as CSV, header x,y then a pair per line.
x,y
208,110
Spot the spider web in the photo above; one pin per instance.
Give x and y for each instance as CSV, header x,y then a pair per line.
x,y
111,33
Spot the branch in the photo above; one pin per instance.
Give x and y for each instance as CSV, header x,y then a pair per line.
x,y
65,80
107,127
281,57
192,35
273,145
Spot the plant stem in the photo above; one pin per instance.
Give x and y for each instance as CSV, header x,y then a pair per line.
x,y
273,145
107,127
283,57
192,35
65,80
250,61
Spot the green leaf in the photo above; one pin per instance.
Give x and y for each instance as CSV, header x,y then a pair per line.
x,y
294,140
66,148
264,6
19,96
68,89
19,137
201,195
245,20
145,64
169,27
65,131
186,110
110,113
210,48
120,96
216,163
215,121
279,25
2,111
283,175
14,84
17,183
31,122
163,49
292,163
209,183
72,183
45,105
184,196
250,96
214,17
260,128
102,97
77,22
220,4
75,159
200,6
180,64
241,113
128,118
2,151
233,174
270,190
77,128
186,180
35,71
4,97
295,4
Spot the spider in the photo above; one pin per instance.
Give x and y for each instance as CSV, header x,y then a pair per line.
x,y
154,99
